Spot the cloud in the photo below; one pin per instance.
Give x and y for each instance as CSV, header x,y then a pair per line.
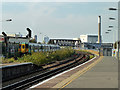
x,y
42,18
43,21
60,0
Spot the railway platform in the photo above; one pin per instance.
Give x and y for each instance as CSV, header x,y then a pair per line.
x,y
7,64
102,75
101,72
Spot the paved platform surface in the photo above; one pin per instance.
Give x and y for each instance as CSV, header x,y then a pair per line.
x,y
99,73
103,75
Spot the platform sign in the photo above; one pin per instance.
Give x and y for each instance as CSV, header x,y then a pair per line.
x,y
114,51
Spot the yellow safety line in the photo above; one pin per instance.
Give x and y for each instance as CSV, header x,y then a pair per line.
x,y
82,72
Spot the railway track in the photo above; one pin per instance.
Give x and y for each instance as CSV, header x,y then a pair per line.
x,y
26,83
44,68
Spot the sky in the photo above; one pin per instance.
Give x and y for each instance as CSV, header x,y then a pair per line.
x,y
59,19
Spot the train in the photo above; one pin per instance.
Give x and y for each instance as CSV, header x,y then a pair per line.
x,y
12,47
19,49
34,47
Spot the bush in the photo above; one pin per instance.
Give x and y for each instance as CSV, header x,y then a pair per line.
x,y
40,58
11,60
91,56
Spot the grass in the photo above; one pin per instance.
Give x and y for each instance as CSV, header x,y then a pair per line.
x,y
91,56
40,58
84,51
10,60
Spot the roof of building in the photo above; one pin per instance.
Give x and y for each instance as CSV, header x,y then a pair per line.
x,y
89,35
15,37
64,38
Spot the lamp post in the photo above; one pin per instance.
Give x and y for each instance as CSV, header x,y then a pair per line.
x,y
99,30
111,18
5,37
99,33
107,32
114,9
8,20
42,36
113,34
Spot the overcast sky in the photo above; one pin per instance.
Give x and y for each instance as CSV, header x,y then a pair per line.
x,y
60,19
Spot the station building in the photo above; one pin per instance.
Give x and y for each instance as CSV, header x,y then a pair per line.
x,y
15,38
74,42
12,39
89,38
89,41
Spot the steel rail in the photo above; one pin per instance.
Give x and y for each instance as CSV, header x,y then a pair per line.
x,y
43,69
35,79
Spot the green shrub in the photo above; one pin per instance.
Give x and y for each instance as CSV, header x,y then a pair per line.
x,y
40,58
11,60
91,56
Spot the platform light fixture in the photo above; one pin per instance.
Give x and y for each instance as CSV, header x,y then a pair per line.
x,y
112,18
9,20
112,8
109,30
110,26
106,32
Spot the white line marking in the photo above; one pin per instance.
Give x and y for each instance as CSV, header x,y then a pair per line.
x,y
60,74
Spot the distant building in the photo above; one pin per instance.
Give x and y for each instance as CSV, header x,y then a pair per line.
x,y
35,37
15,35
12,39
46,39
15,38
89,38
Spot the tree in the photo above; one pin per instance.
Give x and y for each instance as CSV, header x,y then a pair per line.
x,y
39,42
